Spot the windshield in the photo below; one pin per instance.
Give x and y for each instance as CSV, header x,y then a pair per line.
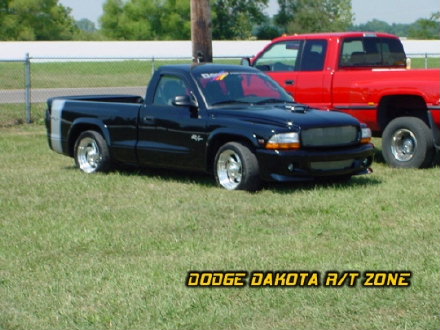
x,y
221,88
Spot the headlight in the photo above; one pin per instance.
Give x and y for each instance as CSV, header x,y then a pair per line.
x,y
284,141
365,134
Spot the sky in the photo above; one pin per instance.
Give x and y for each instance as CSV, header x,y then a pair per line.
x,y
390,11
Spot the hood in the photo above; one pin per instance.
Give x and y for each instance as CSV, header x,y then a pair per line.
x,y
283,116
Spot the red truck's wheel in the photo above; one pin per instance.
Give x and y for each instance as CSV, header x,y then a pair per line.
x,y
91,152
407,142
236,167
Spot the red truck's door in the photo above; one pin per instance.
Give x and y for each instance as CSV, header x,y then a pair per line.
x,y
299,67
312,87
281,62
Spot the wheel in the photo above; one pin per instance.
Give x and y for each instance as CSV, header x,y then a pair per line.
x,y
236,167
91,152
407,142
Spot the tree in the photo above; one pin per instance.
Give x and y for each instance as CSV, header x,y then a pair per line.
x,y
426,28
86,25
380,26
146,19
235,19
35,20
305,16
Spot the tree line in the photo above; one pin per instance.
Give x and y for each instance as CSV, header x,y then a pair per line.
x,y
170,20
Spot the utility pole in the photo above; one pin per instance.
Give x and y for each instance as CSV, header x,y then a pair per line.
x,y
201,31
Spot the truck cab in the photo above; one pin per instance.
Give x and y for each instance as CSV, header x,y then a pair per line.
x,y
363,74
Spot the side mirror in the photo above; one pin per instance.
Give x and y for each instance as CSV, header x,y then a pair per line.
x,y
184,101
246,61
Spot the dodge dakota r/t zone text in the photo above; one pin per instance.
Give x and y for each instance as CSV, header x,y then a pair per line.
x,y
232,121
363,74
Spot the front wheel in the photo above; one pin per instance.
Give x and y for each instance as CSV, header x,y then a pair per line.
x,y
407,143
91,152
236,167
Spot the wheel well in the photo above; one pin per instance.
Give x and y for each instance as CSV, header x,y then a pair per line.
x,y
220,140
76,131
395,106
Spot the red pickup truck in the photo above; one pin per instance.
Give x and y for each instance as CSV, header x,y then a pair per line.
x,y
363,74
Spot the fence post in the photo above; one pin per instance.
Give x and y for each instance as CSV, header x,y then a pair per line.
x,y
426,60
152,66
28,88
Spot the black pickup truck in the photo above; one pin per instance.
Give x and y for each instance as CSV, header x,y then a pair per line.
x,y
232,121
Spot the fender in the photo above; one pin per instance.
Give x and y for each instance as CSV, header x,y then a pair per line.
x,y
229,131
223,135
82,124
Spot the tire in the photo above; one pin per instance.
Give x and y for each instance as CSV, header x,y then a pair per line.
x,y
91,153
236,168
407,143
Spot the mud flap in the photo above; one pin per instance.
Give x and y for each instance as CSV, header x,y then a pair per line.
x,y
435,131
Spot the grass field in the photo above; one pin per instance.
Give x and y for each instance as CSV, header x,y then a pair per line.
x,y
112,251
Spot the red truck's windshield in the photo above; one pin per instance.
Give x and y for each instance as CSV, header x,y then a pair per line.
x,y
372,51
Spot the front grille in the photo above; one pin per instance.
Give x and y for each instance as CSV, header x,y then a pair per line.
x,y
329,136
332,165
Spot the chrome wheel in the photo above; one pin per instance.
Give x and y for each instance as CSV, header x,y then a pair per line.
x,y
229,169
403,145
407,142
89,156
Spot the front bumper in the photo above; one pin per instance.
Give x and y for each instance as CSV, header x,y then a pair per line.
x,y
306,165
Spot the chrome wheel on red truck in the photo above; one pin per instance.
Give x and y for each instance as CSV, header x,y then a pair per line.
x,y
407,142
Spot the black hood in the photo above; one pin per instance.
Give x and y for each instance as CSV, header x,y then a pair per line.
x,y
285,116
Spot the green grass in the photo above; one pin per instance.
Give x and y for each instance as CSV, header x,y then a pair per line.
x,y
419,63
113,250
15,114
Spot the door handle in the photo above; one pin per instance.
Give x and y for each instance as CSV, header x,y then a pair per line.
x,y
149,120
290,82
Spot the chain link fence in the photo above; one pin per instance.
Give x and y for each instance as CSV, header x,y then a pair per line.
x,y
26,84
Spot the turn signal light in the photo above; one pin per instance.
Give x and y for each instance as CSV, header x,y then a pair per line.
x,y
284,141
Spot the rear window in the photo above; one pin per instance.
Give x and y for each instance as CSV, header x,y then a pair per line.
x,y
372,52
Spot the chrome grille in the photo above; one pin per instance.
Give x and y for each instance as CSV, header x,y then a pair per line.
x,y
329,136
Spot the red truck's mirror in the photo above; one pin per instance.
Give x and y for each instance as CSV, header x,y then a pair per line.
x,y
246,61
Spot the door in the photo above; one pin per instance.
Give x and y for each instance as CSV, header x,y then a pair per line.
x,y
281,62
299,67
169,135
313,81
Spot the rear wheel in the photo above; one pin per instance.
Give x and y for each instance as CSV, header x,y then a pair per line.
x,y
91,152
236,167
407,142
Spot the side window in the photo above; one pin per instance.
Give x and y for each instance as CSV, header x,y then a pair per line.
x,y
372,51
350,49
282,56
314,55
168,88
